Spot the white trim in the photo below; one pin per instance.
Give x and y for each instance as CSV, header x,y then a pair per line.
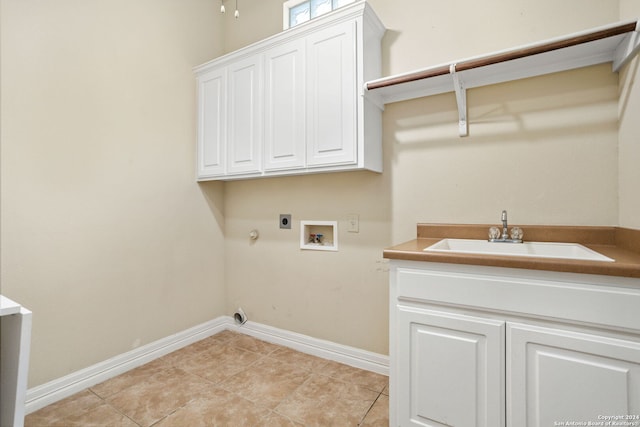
x,y
305,227
288,5
14,349
363,359
8,307
53,391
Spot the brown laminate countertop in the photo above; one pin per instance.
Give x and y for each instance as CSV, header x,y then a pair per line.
x,y
621,244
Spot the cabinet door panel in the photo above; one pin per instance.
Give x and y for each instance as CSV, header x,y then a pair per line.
x,y
451,372
332,95
244,139
285,110
556,376
211,123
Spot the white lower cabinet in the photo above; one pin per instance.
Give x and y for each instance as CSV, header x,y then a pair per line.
x,y
485,346
459,359
556,376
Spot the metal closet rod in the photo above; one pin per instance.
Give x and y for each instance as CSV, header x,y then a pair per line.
x,y
507,56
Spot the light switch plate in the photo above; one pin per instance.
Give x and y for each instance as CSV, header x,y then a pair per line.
x,y
353,223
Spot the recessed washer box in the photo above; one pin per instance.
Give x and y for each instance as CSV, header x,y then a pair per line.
x,y
319,235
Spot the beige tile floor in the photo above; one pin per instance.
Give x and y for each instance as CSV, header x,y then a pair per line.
x,y
229,379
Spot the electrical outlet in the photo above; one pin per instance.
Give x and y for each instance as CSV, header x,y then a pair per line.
x,y
353,223
285,221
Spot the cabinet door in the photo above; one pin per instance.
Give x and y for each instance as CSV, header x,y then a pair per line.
x,y
285,137
244,137
212,123
555,376
331,85
450,370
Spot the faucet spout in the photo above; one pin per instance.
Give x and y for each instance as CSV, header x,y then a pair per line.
x,y
505,227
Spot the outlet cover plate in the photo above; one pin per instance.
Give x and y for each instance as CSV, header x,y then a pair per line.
x,y
285,221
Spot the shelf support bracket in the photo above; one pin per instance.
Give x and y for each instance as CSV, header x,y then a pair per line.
x,y
627,49
461,98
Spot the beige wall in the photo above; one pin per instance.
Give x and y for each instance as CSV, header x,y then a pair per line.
x,y
629,138
543,148
259,19
424,33
106,237
338,296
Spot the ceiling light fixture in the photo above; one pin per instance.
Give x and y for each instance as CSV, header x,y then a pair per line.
x,y
223,9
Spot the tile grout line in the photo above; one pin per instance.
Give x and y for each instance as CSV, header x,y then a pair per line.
x,y
263,356
288,396
369,410
273,410
104,401
169,366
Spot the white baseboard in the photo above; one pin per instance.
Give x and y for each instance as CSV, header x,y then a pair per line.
x,y
53,391
352,356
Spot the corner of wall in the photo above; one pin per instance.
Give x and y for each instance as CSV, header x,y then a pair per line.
x,y
628,131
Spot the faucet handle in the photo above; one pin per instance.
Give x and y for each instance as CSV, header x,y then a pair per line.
x,y
517,233
494,233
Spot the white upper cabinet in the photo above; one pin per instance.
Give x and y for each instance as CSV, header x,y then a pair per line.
x,y
212,135
285,107
331,85
244,120
294,103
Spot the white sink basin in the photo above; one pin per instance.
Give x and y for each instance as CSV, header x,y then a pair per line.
x,y
526,249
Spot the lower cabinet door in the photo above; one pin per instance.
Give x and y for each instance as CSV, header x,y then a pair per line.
x,y
450,370
555,377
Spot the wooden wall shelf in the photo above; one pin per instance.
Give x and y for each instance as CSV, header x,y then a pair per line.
x,y
617,43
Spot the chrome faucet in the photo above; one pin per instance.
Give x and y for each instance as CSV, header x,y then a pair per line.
x,y
505,227
503,237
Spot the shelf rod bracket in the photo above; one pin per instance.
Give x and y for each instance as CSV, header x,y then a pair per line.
x,y
461,98
627,49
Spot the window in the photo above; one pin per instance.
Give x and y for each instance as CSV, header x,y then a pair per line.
x,y
296,12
